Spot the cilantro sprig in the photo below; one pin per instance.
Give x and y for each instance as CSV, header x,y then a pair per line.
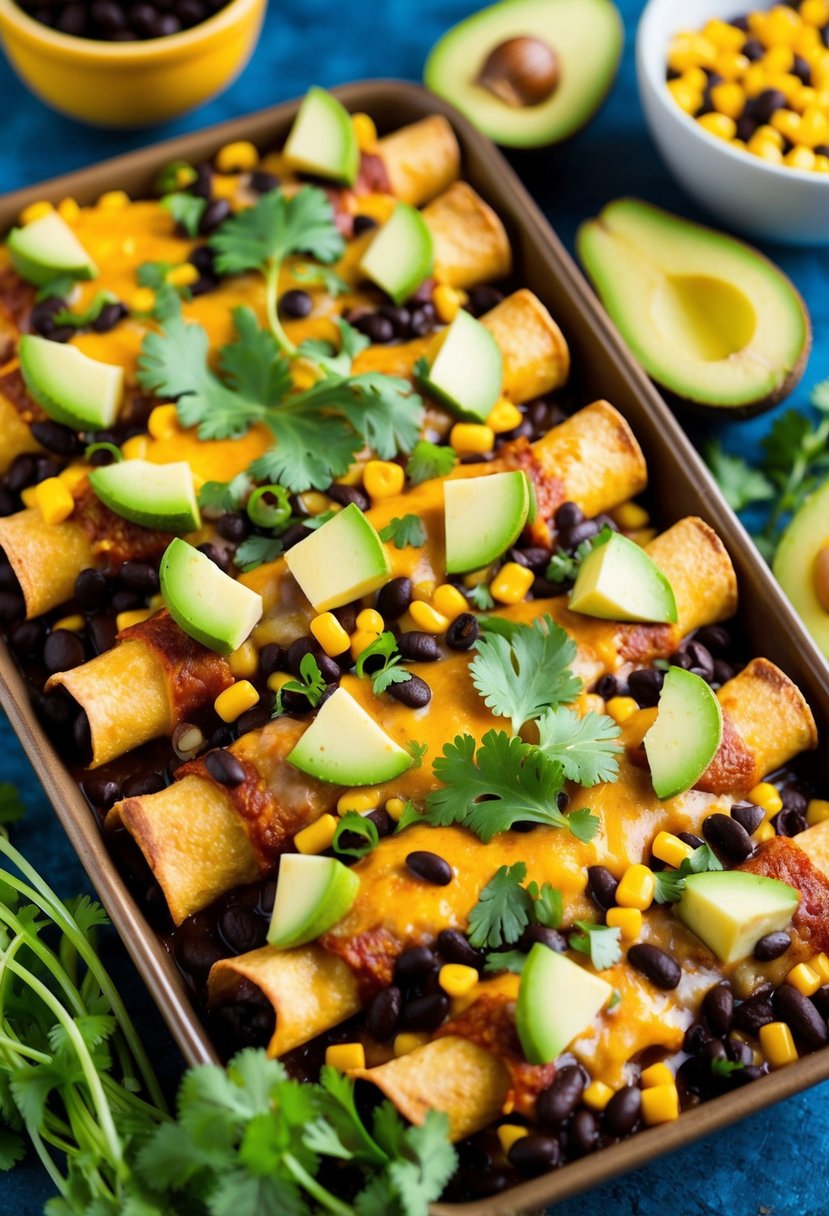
x,y
505,907
404,531
586,748
669,884
599,942
523,674
430,460
84,318
390,672
310,685
563,567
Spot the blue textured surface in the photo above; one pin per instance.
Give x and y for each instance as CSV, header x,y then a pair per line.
x,y
770,1165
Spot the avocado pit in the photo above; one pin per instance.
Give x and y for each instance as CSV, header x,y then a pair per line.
x,y
522,71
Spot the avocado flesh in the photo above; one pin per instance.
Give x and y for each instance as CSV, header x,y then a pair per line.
x,y
206,603
72,388
312,894
794,563
344,745
322,140
686,735
586,36
483,516
154,495
709,318
617,581
557,1001
730,910
342,561
46,249
466,368
401,255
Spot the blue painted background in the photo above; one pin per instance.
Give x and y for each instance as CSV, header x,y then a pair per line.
x,y
773,1164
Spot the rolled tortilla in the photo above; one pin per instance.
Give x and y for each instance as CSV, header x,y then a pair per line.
x,y
15,435
471,244
536,355
47,558
421,160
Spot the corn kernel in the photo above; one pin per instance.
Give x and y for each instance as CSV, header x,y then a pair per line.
x,y
628,920
163,422
511,583
621,708
28,496
821,163
719,125
142,300
456,979
804,98
472,438
815,12
330,634
314,502
657,1074
447,302
427,618
236,700
636,888
278,679
508,1133
360,640
135,448
344,1056
54,499
814,128
638,725
804,979
73,475
35,211
68,210
114,200
777,1044
597,1095
787,123
778,59
156,601
317,837
820,965
504,416
764,832
767,796
358,801
74,623
408,1041
800,157
686,98
424,590
592,703
238,157
370,620
449,601
126,620
365,131
184,275
395,808
382,478
660,1104
476,577
354,475
729,99
754,80
630,516
817,811
723,35
730,65
244,661
671,849
690,50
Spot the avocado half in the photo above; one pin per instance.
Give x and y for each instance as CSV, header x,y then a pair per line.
x,y
586,38
795,561
709,318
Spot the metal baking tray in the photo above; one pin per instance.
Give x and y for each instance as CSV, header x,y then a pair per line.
x,y
679,485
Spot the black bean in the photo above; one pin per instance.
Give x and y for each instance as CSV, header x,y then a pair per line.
x,y
463,633
713,1050
413,964
42,316
430,867
535,1154
108,317
190,12
252,719
690,838
413,692
737,1051
347,616
696,1036
101,790
8,578
723,672
715,638
7,504
766,103
394,598
400,319
803,1019
58,708
754,1013
645,685
293,535
422,322
718,1008
569,539
125,600
82,735
72,19
551,938
139,576
271,658
772,946
21,474
263,182
794,799
753,49
214,215
789,823
383,821
27,637
456,948
56,438
425,1012
347,495
821,1001
63,650
801,69
744,1076
241,929
418,647
109,16
224,767
748,815
295,304
363,223
102,632
244,1023
91,589
195,952
12,607
568,515
483,298
142,785
622,1111
601,886
607,687
384,1013
658,966
378,329
165,25
297,652
583,1133
558,1101
329,669
728,838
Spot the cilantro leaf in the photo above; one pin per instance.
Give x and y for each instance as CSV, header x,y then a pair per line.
x,y
12,807
583,824
405,531
310,685
186,209
668,886
599,942
275,227
385,647
382,647
357,825
80,320
419,1178
721,1067
741,484
430,460
585,747
56,289
321,276
257,551
388,675
521,676
503,910
417,751
548,904
253,367
222,496
701,860
411,815
505,960
481,597
563,567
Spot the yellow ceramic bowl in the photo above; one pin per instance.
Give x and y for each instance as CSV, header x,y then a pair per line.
x,y
131,84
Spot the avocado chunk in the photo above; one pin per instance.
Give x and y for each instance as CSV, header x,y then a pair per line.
x,y
155,495
801,564
730,910
48,249
617,581
709,318
312,894
686,735
529,72
72,388
340,562
345,745
401,255
557,1000
483,516
322,140
205,602
464,368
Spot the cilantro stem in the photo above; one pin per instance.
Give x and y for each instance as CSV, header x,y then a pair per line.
x,y
21,1049
58,1180
314,1188
272,308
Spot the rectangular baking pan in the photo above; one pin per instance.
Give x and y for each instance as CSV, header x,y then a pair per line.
x,y
679,485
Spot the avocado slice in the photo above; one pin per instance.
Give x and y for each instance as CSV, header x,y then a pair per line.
x,y
617,581
709,318
802,548
312,894
730,910
155,495
322,140
345,745
72,388
464,368
205,602
401,255
557,1000
483,516
47,249
340,562
686,735
525,96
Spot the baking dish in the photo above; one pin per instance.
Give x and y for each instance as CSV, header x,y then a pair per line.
x,y
680,486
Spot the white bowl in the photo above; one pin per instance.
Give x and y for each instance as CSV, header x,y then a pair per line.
x,y
771,201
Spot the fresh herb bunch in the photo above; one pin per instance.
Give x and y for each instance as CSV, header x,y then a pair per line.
x,y
795,462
